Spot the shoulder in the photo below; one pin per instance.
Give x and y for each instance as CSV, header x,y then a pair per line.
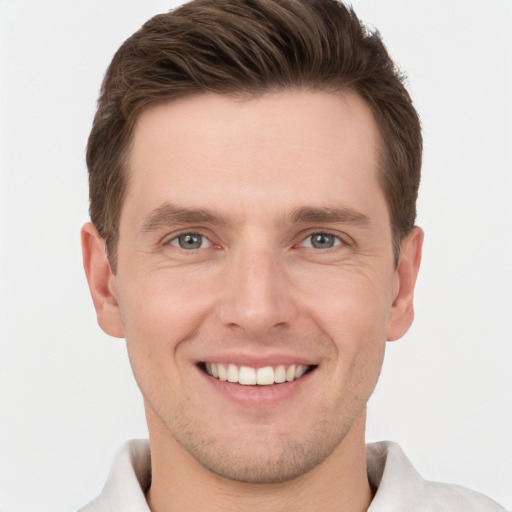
x,y
129,479
399,487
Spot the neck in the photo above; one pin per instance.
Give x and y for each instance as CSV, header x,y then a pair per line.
x,y
179,482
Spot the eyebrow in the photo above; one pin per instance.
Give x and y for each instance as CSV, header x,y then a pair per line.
x,y
168,214
327,215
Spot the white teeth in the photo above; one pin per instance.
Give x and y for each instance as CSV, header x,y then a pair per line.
x,y
300,371
290,373
247,376
223,374
265,376
280,374
233,373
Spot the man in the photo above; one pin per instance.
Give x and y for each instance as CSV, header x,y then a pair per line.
x,y
254,168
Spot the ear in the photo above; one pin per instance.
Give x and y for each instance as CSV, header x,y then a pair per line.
x,y
102,281
402,310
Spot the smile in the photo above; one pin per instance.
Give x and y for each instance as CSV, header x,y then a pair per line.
x,y
248,376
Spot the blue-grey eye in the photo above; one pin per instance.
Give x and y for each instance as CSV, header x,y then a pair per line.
x,y
321,241
190,241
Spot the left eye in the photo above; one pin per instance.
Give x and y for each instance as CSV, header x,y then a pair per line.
x,y
321,241
190,241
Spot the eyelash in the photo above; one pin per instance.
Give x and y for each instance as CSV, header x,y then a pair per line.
x,y
176,239
338,241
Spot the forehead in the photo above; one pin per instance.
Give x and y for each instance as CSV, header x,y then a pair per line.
x,y
268,150
289,116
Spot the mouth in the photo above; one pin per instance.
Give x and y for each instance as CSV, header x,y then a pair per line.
x,y
249,376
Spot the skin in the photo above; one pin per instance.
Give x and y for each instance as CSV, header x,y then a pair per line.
x,y
257,289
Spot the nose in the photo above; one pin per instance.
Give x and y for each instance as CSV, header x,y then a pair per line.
x,y
258,295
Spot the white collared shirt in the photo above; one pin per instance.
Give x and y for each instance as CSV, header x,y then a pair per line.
x,y
399,487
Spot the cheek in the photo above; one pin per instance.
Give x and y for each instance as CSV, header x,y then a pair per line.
x,y
163,304
157,317
353,311
164,313
158,314
352,303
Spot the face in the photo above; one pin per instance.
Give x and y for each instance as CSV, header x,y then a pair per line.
x,y
255,280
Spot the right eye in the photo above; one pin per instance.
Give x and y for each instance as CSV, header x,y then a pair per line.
x,y
321,241
190,241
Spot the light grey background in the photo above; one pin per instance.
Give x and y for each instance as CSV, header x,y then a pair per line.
x,y
67,398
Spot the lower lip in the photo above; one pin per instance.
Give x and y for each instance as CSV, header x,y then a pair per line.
x,y
254,396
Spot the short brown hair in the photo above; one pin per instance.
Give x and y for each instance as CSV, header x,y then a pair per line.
x,y
249,47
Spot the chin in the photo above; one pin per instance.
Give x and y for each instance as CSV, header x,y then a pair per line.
x,y
264,457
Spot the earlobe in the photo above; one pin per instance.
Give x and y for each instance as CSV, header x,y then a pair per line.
x,y
402,310
101,281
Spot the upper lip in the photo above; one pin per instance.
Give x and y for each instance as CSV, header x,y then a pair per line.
x,y
257,360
